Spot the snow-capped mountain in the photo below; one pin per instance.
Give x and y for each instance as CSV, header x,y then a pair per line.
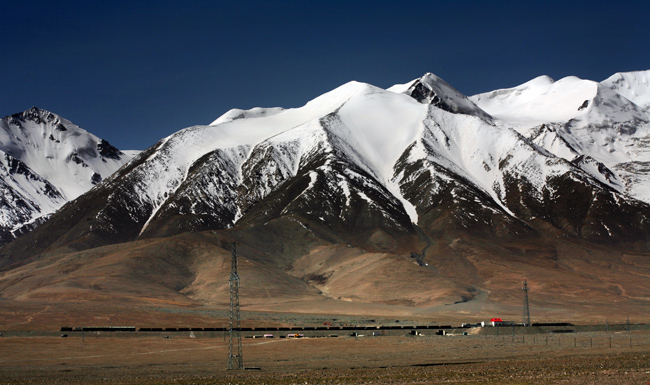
x,y
415,196
46,161
602,126
415,161
634,86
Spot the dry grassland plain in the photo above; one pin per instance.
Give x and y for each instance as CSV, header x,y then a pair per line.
x,y
178,358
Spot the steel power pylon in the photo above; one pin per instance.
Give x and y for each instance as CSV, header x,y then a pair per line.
x,y
235,358
526,317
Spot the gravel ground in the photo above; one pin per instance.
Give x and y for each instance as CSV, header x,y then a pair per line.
x,y
581,358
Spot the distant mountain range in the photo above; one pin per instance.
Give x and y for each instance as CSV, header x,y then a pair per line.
x,y
410,171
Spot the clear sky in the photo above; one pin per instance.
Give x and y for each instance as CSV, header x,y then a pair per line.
x,y
133,72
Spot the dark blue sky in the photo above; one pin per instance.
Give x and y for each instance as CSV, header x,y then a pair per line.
x,y
133,72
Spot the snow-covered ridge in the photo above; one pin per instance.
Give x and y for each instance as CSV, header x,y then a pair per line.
x,y
236,113
431,89
634,86
620,98
359,144
58,150
608,122
539,101
47,161
371,128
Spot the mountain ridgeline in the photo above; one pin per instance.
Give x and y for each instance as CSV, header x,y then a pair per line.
x,y
361,159
46,161
418,169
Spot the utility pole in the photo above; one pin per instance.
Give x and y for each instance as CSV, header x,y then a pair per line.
x,y
235,359
526,317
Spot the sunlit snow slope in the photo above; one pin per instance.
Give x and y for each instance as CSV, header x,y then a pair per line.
x,y
604,127
46,161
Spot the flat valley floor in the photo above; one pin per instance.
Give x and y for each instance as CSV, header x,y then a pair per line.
x,y
178,358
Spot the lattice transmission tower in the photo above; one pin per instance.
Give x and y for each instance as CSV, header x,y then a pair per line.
x,y
235,358
526,317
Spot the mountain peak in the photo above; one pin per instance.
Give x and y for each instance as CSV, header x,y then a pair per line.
x,y
236,113
49,161
37,110
433,90
540,100
634,86
33,114
542,80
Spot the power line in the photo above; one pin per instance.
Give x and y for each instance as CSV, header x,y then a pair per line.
x,y
526,317
235,358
